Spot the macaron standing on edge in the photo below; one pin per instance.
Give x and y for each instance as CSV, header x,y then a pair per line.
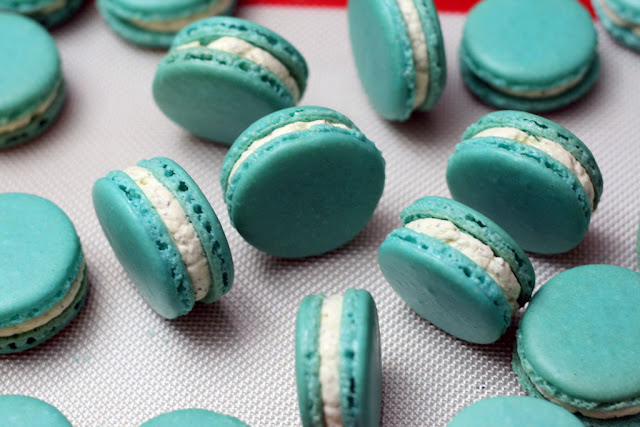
x,y
531,176
399,53
338,360
193,418
49,13
165,234
25,411
621,19
223,73
457,269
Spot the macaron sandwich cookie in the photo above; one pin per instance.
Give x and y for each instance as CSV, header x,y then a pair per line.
x,y
25,411
165,234
457,269
31,82
338,363
523,55
154,23
43,270
194,418
621,18
399,53
47,12
530,175
222,74
301,182
578,344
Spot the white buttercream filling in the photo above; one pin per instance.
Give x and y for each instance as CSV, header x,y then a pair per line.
x,y
475,250
290,128
56,311
25,120
174,25
552,148
329,351
618,20
543,93
419,48
180,228
260,56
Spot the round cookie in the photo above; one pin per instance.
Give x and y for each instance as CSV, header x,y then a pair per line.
x,y
222,74
165,234
24,411
47,12
399,53
621,19
42,289
457,269
301,182
338,362
31,82
522,55
577,344
193,418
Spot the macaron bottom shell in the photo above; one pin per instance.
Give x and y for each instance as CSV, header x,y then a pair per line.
x,y
58,16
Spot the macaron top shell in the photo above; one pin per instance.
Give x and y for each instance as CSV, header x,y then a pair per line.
x,y
193,418
24,411
40,257
157,10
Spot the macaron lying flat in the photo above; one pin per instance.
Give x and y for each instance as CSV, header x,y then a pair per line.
x,y
222,74
31,82
514,411
154,23
457,269
621,18
399,53
522,55
44,279
165,234
301,182
530,175
25,411
47,12
338,364
578,344
194,418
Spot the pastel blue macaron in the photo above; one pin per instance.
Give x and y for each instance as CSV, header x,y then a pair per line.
x,y
530,175
222,74
165,234
399,53
523,55
301,182
193,418
44,279
514,411
621,19
338,362
154,23
578,344
49,13
25,411
457,269
31,81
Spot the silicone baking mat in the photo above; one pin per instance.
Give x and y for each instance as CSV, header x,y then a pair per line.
x,y
119,364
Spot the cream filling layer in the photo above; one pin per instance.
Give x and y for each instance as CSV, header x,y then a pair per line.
x,y
52,7
329,351
552,148
419,48
618,20
25,120
175,25
475,250
260,56
56,311
180,228
290,128
546,93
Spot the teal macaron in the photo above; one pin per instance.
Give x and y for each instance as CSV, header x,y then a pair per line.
x,y
578,344
338,360
523,55
399,53
514,411
154,23
621,19
457,269
530,175
31,81
49,13
44,278
193,418
301,182
165,234
223,73
25,411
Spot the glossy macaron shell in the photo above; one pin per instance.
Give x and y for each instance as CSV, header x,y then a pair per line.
x,y
23,411
193,418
